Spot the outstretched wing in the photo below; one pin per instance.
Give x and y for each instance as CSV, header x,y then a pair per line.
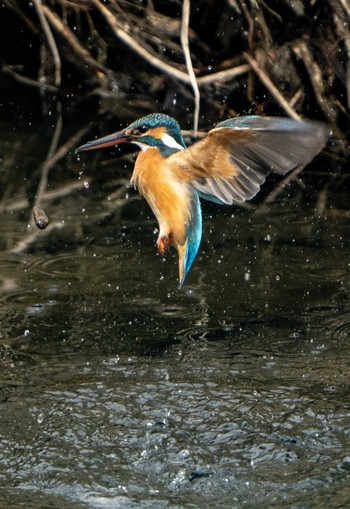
x,y
231,163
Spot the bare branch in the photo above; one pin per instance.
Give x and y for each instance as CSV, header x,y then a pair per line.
x,y
73,42
50,40
136,46
272,88
186,49
224,75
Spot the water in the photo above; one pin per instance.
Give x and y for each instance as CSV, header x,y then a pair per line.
x,y
117,390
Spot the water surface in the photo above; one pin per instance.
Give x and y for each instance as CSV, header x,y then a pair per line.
x,y
120,391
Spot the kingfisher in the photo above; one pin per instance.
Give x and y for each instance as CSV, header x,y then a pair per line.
x,y
227,166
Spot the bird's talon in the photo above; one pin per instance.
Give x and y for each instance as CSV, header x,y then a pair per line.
x,y
163,244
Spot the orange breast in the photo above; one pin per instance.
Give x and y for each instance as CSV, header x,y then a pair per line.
x,y
167,196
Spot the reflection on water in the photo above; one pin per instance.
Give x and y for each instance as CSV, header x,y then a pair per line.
x,y
118,390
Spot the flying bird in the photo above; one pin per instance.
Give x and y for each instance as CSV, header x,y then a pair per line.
x,y
228,166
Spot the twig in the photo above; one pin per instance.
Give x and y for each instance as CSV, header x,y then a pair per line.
x,y
296,97
69,145
272,88
316,79
12,4
186,49
346,7
48,163
321,203
135,46
343,30
50,40
58,127
73,42
54,155
29,81
156,62
224,75
279,188
64,190
30,239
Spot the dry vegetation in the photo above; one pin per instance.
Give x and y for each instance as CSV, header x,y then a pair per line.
x,y
260,55
200,61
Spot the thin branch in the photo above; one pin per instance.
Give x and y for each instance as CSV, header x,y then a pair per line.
x,y
54,155
60,192
272,88
135,46
33,237
73,41
29,81
47,165
50,40
13,4
224,75
279,188
186,49
346,7
316,79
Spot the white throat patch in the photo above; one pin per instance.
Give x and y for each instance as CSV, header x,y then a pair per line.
x,y
142,146
170,142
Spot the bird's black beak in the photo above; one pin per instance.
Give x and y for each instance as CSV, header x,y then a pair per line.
x,y
107,141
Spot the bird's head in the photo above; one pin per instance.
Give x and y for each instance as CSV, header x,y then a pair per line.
x,y
155,130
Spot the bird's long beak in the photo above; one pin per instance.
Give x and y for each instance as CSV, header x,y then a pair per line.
x,y
106,141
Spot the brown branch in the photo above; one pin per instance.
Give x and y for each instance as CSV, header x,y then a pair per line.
x,y
48,163
13,5
48,196
54,156
33,237
50,41
316,79
272,88
137,47
28,81
186,49
279,188
73,42
342,28
224,75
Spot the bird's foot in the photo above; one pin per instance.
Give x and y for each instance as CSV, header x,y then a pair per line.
x,y
163,244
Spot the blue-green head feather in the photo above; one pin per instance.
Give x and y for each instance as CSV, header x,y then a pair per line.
x,y
171,141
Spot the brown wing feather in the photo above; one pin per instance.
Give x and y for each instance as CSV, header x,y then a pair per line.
x,y
231,163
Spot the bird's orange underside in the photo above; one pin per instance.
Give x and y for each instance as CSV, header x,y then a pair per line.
x,y
165,194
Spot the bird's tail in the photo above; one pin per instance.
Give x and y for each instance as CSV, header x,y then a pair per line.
x,y
188,250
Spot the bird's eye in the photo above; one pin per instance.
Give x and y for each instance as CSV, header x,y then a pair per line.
x,y
141,130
